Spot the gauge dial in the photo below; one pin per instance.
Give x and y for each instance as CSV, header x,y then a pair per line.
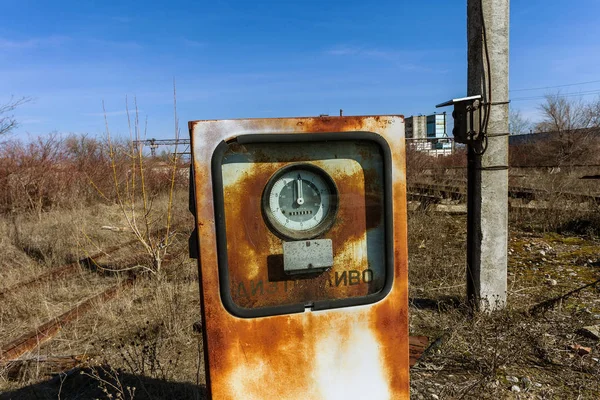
x,y
300,201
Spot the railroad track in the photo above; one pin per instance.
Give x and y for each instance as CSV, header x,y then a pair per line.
x,y
62,271
457,191
45,332
548,167
68,269
11,354
48,330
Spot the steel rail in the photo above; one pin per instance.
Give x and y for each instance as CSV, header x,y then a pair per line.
x,y
64,270
48,330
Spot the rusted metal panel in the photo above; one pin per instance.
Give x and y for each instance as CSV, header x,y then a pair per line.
x,y
353,352
358,229
417,345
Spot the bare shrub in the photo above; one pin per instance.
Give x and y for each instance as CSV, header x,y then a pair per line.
x,y
32,175
562,149
148,352
110,383
51,172
420,165
89,159
571,128
55,172
136,189
562,114
416,163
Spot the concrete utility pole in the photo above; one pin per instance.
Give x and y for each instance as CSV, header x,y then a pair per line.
x,y
487,231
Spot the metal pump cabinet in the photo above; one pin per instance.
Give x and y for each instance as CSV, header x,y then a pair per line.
x,y
302,253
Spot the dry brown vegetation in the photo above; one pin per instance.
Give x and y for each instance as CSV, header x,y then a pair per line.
x,y
482,356
142,344
54,172
143,339
58,201
554,248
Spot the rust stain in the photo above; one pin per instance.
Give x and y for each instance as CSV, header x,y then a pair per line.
x,y
313,354
417,344
256,276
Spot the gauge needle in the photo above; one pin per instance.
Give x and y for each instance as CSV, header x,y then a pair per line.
x,y
300,199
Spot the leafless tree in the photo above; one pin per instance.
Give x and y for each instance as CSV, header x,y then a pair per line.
x,y
572,126
594,113
562,114
517,124
7,120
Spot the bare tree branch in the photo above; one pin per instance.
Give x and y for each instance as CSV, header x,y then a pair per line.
x,y
7,120
517,124
572,126
562,114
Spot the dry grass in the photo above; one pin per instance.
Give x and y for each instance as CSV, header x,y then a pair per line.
x,y
142,344
145,335
46,301
32,246
475,355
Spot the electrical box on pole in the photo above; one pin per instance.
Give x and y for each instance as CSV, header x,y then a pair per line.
x,y
467,118
302,253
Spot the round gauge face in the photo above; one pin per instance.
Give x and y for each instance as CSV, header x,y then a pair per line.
x,y
300,201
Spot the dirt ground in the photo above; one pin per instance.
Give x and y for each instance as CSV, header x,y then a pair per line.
x,y
524,352
143,343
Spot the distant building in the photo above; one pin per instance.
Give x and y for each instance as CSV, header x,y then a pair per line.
x,y
436,126
415,127
427,133
425,126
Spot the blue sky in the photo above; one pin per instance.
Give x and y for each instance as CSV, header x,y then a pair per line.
x,y
234,59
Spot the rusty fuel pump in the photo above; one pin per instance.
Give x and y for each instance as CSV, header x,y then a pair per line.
x,y
302,252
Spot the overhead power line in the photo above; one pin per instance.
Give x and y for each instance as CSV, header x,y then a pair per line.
x,y
584,93
553,87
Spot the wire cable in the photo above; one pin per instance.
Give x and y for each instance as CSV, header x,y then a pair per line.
x,y
553,87
489,70
488,100
498,134
584,93
494,168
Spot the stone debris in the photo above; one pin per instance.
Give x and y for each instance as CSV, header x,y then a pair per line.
x,y
579,349
493,384
593,332
566,338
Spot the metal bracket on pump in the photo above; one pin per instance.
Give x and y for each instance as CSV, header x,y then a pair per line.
x,y
467,118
